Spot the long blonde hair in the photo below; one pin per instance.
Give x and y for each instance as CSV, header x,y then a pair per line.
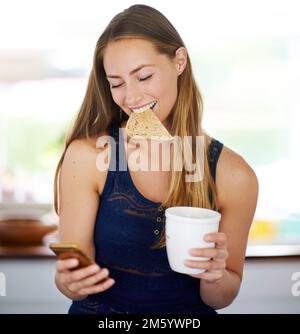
x,y
98,109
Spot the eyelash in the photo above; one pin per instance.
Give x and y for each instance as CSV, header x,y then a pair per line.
x,y
142,79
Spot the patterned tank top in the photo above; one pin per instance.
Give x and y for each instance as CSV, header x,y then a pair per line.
x,y
126,227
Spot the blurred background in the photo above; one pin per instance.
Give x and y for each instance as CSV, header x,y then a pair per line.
x,y
246,59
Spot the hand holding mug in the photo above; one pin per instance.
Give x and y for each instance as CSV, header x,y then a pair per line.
x,y
215,264
186,228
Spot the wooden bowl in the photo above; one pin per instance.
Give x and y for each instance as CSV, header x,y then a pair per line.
x,y
22,232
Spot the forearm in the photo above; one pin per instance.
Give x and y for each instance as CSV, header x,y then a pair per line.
x,y
221,293
67,292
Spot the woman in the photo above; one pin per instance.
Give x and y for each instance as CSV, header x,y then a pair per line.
x,y
117,217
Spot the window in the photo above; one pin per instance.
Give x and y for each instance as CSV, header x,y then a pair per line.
x,y
246,59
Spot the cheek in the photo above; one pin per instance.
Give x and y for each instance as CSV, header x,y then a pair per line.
x,y
168,92
116,96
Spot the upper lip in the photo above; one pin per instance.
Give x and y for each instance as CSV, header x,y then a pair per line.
x,y
142,105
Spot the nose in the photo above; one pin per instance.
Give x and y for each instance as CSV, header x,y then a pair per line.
x,y
133,95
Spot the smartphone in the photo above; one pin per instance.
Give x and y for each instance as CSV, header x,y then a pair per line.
x,y
67,251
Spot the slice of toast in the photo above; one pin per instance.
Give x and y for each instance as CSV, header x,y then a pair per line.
x,y
146,125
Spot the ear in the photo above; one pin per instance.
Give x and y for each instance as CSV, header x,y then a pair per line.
x,y
180,59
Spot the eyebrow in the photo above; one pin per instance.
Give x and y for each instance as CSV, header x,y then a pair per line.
x,y
131,72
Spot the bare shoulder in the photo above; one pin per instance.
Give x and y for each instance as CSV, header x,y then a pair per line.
x,y
87,146
236,181
80,161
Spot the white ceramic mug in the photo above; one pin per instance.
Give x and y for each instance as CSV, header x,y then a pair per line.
x,y
185,229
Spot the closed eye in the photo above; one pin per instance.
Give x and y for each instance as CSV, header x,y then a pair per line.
x,y
148,77
116,86
140,79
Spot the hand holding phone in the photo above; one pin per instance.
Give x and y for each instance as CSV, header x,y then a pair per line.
x,y
79,281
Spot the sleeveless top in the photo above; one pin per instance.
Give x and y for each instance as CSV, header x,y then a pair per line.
x,y
127,226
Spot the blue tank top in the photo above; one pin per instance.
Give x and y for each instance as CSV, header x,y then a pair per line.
x,y
126,227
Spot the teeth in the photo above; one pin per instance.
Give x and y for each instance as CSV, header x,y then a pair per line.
x,y
150,105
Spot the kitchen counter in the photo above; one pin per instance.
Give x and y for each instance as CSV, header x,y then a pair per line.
x,y
39,251
272,250
43,251
31,251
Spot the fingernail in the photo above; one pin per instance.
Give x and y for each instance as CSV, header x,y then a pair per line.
x,y
208,238
74,262
94,269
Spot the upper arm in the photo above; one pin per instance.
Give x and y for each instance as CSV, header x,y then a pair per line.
x,y
237,192
79,195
